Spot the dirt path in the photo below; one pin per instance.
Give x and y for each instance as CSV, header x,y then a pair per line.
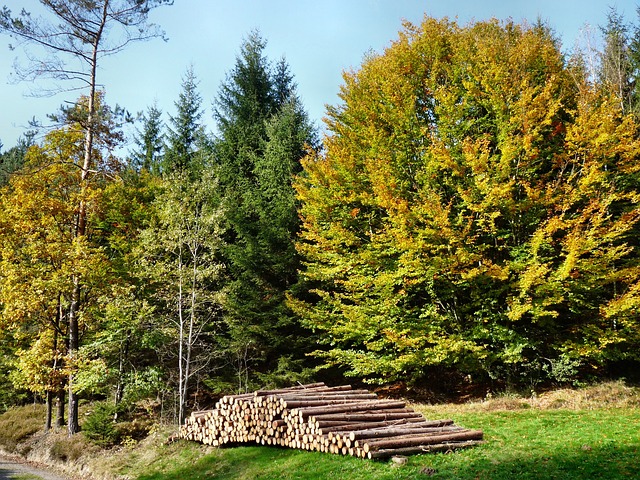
x,y
11,468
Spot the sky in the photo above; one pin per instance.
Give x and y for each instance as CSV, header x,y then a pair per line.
x,y
319,39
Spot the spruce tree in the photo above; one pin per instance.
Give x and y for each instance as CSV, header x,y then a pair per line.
x,y
616,60
150,141
186,132
263,132
13,159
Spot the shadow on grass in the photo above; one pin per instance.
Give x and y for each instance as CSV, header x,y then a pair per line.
x,y
608,462
605,462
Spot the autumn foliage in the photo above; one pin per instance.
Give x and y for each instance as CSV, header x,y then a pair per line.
x,y
475,211
472,214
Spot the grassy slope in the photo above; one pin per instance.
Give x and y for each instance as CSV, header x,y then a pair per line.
x,y
587,434
591,434
529,444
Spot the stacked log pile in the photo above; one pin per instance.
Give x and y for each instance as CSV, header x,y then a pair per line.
x,y
338,420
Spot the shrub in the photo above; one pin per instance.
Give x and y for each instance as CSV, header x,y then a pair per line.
x,y
99,426
135,430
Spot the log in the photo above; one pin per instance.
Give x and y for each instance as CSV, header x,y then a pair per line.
x,y
294,388
416,440
351,407
400,432
367,425
438,447
300,395
320,418
377,416
329,423
319,403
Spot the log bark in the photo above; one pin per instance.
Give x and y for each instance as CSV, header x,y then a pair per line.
x,y
352,407
438,447
320,402
376,416
415,440
401,432
367,425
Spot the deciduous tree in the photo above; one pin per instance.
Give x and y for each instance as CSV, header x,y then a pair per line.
x,y
74,40
473,212
179,258
41,253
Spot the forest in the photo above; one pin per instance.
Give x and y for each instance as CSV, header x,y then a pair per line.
x,y
469,219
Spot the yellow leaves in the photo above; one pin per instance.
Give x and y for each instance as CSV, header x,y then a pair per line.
x,y
518,309
486,269
624,308
35,367
469,191
40,250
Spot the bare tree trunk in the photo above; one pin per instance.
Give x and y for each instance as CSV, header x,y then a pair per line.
x,y
60,404
47,422
124,354
73,426
189,343
181,360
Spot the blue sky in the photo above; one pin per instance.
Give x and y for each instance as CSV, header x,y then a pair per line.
x,y
319,39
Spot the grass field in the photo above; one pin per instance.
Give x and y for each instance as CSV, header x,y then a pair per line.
x,y
530,444
592,434
585,434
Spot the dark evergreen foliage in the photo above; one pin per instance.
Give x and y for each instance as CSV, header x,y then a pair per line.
x,y
185,134
264,132
13,159
150,142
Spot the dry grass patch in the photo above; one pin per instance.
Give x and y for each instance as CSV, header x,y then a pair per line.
x,y
604,395
18,424
615,394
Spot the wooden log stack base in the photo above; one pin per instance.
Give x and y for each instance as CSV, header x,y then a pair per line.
x,y
338,420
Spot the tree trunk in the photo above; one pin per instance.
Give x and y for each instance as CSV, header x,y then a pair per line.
x,y
60,404
81,227
73,426
181,342
438,447
124,354
47,422
417,440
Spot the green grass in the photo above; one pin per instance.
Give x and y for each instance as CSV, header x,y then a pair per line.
x,y
591,433
523,444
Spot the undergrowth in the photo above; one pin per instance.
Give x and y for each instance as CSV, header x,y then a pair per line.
x,y
18,424
614,394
